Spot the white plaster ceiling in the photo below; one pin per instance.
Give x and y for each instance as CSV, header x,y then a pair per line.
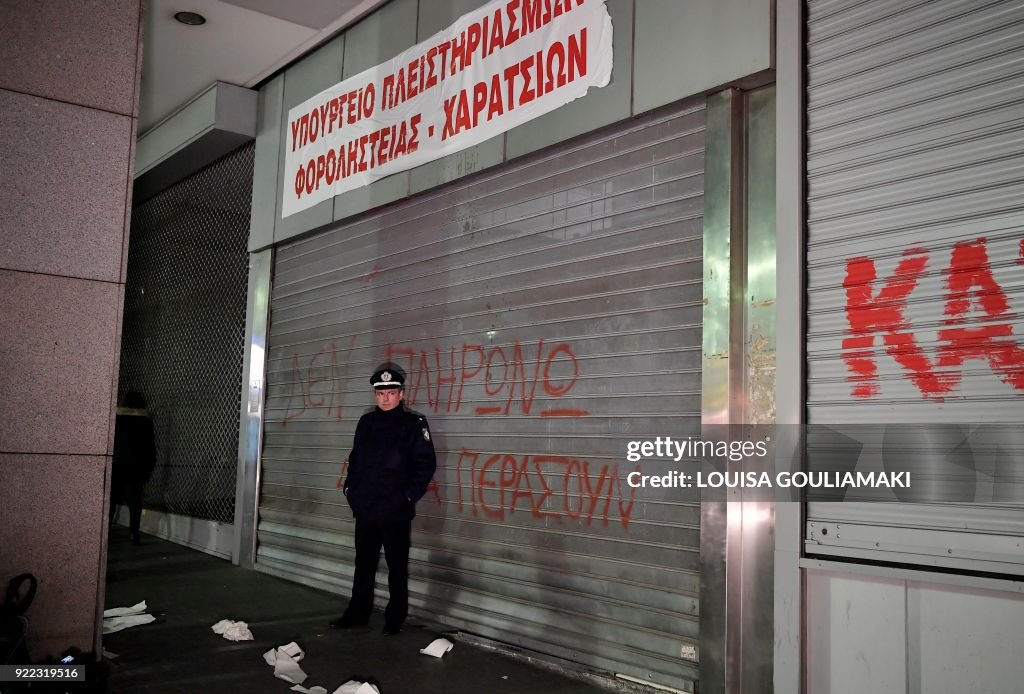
x,y
242,43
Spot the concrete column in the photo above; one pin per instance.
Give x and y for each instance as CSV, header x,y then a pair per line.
x,y
69,72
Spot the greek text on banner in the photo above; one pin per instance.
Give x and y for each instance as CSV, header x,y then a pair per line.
x,y
493,69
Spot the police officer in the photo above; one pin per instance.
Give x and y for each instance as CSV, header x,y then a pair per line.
x,y
391,463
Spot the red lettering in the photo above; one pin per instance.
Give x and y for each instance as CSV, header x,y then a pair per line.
x,y
335,375
458,475
449,117
424,372
414,142
869,314
462,119
537,463
288,416
625,512
479,100
970,277
519,368
970,283
399,95
321,169
505,480
594,494
431,79
323,118
554,390
333,114
531,16
494,106
484,483
473,34
441,380
508,479
467,375
497,351
573,464
578,54
310,381
512,35
310,175
497,34
556,76
522,475
527,93
367,98
415,79
387,98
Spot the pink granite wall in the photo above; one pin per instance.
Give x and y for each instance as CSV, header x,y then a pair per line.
x,y
69,73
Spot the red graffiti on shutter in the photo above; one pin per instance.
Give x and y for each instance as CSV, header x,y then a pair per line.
x,y
871,314
970,283
317,384
560,488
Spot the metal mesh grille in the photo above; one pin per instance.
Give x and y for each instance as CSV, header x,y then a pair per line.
x,y
184,329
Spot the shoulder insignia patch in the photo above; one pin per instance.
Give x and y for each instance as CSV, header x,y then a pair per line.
x,y
426,434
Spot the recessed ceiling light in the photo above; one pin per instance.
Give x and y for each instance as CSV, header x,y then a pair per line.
x,y
193,19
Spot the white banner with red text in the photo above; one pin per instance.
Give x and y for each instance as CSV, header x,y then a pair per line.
x,y
493,69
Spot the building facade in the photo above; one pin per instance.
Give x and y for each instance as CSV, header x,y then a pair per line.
x,y
769,214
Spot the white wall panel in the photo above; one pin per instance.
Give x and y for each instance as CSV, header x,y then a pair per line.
x,y
309,76
903,634
691,47
856,634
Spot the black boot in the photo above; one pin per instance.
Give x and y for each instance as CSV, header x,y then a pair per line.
x,y
347,621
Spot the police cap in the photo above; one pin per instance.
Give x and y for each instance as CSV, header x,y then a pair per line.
x,y
386,378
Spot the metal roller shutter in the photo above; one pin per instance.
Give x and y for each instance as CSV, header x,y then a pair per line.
x,y
915,168
546,313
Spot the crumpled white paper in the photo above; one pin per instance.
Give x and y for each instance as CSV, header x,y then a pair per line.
x,y
137,608
118,618
232,631
357,687
437,648
285,661
314,690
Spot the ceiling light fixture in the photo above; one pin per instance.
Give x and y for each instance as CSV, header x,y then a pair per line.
x,y
193,19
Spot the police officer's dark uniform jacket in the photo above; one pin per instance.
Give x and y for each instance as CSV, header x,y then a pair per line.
x,y
391,463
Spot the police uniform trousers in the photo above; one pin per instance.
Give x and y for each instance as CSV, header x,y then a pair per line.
x,y
395,538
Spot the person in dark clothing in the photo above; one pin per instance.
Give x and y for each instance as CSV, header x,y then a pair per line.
x,y
391,463
134,458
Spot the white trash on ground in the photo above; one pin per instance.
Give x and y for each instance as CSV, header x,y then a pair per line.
x,y
232,631
285,661
437,648
357,687
118,618
137,608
